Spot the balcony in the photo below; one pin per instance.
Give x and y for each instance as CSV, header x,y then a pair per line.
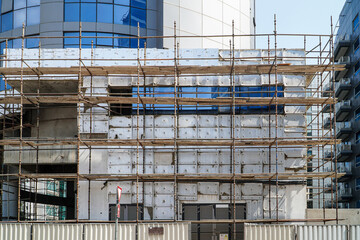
x,y
343,130
343,44
344,194
343,151
346,169
327,90
329,187
342,110
327,109
343,88
341,74
327,123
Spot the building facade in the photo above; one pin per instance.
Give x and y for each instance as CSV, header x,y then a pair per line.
x,y
119,18
347,90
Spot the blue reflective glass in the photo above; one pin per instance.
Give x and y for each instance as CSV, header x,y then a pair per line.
x,y
19,4
88,12
32,42
71,41
121,15
106,1
31,3
19,18
105,41
71,46
72,0
33,16
89,36
87,0
138,16
134,43
17,43
138,3
72,12
122,2
7,22
105,13
121,42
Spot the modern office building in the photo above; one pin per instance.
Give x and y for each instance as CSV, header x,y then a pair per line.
x,y
347,90
120,18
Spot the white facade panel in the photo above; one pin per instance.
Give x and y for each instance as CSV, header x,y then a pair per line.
x,y
208,17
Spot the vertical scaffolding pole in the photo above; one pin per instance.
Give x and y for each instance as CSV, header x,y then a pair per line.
x,y
276,121
334,135
176,76
78,128
21,119
137,124
270,146
233,124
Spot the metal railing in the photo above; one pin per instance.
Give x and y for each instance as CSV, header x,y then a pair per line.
x,y
342,104
343,81
342,125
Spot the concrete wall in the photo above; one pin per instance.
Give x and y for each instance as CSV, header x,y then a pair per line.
x,y
346,216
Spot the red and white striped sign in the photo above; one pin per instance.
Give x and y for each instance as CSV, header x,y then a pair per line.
x,y
119,191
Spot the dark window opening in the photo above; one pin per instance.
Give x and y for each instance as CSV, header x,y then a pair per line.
x,y
127,212
120,109
214,211
356,45
355,23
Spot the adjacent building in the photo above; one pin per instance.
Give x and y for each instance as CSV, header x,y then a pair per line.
x,y
347,90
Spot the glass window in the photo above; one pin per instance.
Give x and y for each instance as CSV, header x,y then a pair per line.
x,y
357,140
138,16
72,12
19,18
7,21
32,42
134,42
106,40
17,43
355,23
356,45
71,41
121,15
357,114
88,12
358,204
138,3
33,16
121,42
357,161
357,91
357,184
122,2
105,13
31,3
89,36
19,4
357,68
106,1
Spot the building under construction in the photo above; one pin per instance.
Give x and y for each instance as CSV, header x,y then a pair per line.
x,y
215,137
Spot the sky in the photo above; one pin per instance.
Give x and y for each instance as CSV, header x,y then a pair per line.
x,y
296,16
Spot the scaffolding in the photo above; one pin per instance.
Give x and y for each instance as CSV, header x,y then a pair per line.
x,y
28,82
